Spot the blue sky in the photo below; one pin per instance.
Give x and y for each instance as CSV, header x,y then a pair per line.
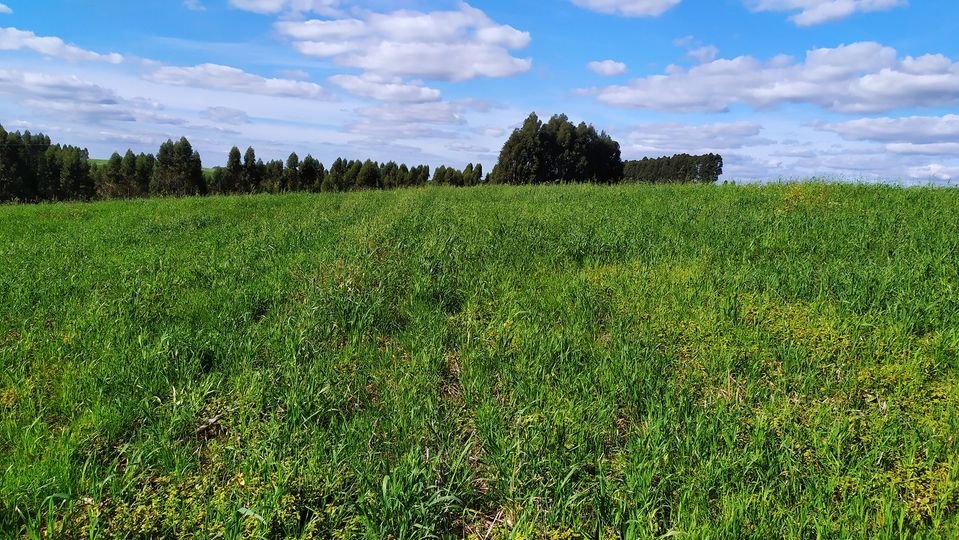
x,y
856,89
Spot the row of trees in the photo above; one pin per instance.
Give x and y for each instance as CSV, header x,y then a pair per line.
x,y
558,151
33,169
682,168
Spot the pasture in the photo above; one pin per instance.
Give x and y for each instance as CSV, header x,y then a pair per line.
x,y
495,362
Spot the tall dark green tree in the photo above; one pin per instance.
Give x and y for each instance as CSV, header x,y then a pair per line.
x,y
233,179
251,171
350,179
312,176
336,177
521,159
144,172
291,177
368,176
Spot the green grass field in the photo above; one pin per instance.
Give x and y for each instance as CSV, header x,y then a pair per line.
x,y
562,362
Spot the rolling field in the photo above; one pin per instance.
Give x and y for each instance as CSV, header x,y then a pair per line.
x,y
563,362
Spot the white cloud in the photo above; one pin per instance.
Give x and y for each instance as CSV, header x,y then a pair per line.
x,y
436,120
927,149
442,45
13,39
194,5
629,8
54,88
226,115
706,53
73,98
914,129
935,171
609,68
861,77
5,9
919,135
813,12
266,7
384,89
671,138
215,76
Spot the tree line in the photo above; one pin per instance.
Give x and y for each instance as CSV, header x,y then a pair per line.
x,y
681,168
559,152
32,168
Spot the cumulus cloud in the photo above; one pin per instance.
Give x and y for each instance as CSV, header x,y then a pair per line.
x,y
609,68
442,45
384,89
13,39
629,8
813,12
219,77
861,77
5,9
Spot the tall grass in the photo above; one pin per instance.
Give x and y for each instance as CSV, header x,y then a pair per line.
x,y
635,362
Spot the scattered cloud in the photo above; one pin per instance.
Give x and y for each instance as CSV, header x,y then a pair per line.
x,y
928,149
13,39
696,49
629,8
861,77
704,54
652,140
218,77
69,97
813,12
226,115
608,68
194,5
919,135
439,119
935,171
267,7
5,9
440,45
384,88
54,88
914,129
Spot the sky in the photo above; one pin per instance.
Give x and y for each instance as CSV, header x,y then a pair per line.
x,y
842,89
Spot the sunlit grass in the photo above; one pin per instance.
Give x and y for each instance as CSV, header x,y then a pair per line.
x,y
635,361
